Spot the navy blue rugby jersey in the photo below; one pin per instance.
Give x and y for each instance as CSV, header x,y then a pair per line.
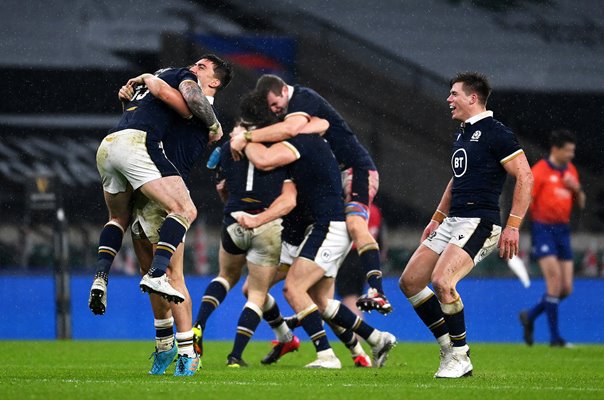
x,y
479,152
185,143
149,114
317,178
295,224
249,189
343,142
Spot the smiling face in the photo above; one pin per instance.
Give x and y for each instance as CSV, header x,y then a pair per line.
x,y
461,104
278,103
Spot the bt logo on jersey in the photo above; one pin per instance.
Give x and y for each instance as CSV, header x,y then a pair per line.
x,y
459,162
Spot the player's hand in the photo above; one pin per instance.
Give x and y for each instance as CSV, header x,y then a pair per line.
x,y
215,132
126,92
238,130
571,182
508,243
431,227
248,221
238,143
139,80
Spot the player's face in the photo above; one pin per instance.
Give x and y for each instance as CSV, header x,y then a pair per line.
x,y
460,102
564,154
204,70
278,104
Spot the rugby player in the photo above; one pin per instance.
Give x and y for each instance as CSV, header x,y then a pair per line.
x,y
131,158
360,178
466,226
316,174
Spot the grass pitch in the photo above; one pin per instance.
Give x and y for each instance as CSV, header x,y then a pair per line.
x,y
118,370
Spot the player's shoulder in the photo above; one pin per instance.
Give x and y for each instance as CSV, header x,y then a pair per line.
x,y
303,92
176,75
498,128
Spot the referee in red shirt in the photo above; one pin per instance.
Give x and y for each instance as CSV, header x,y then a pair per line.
x,y
555,191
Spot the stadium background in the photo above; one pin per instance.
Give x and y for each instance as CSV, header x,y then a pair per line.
x,y
385,65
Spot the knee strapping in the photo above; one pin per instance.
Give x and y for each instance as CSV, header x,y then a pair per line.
x,y
268,303
420,298
164,323
452,308
332,309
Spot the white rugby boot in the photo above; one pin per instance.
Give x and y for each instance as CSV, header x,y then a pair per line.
x,y
325,359
381,350
455,363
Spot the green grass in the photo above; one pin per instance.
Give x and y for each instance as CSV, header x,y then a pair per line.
x,y
112,370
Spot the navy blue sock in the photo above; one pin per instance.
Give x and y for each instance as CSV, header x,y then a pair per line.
x,y
551,310
110,242
248,322
350,321
313,326
171,234
537,309
455,320
370,260
214,295
273,316
432,316
346,336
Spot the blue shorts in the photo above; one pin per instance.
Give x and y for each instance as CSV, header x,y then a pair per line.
x,y
551,240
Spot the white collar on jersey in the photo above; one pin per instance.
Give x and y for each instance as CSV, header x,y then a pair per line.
x,y
210,99
478,117
290,92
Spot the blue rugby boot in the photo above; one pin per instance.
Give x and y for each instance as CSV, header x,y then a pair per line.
x,y
186,366
162,360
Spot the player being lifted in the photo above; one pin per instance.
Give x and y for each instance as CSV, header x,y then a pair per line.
x,y
359,174
309,282
184,144
248,192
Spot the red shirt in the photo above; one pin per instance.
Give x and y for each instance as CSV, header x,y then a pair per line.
x,y
552,201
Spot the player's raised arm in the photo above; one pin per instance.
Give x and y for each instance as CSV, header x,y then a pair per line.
x,y
316,125
161,90
283,130
200,106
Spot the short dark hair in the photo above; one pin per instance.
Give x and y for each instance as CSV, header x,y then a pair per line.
x,y
223,70
269,83
254,112
474,82
559,137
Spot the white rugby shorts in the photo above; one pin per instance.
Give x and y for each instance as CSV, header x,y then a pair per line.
x,y
327,246
262,244
122,158
477,237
